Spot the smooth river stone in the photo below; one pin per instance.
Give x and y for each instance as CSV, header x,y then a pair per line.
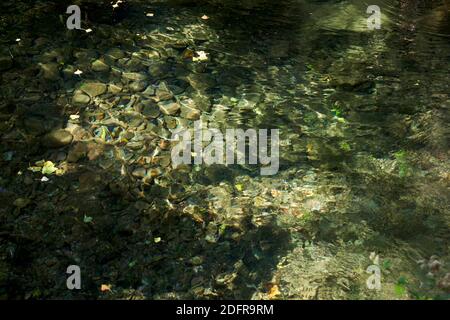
x,y
99,66
134,76
94,89
57,138
169,107
79,98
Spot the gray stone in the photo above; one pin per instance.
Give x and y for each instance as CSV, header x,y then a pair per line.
x,y
138,86
169,107
99,66
163,92
135,145
150,109
139,172
79,98
114,88
49,71
57,138
149,91
134,76
115,53
94,89
188,110
171,122
153,54
158,70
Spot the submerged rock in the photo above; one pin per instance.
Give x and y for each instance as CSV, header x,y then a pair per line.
x,y
137,86
163,92
50,71
134,76
149,91
99,66
150,109
115,53
139,172
94,89
114,88
57,138
79,98
188,112
169,107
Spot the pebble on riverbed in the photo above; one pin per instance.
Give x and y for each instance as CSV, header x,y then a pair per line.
x,y
169,107
57,138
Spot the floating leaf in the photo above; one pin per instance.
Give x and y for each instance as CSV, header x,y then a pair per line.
x,y
87,219
345,146
49,168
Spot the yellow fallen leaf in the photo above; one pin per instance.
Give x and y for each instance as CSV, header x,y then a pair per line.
x,y
274,292
105,287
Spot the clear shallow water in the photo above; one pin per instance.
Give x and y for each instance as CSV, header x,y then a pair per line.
x,y
364,153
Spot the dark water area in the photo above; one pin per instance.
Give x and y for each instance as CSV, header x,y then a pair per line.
x,y
86,125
